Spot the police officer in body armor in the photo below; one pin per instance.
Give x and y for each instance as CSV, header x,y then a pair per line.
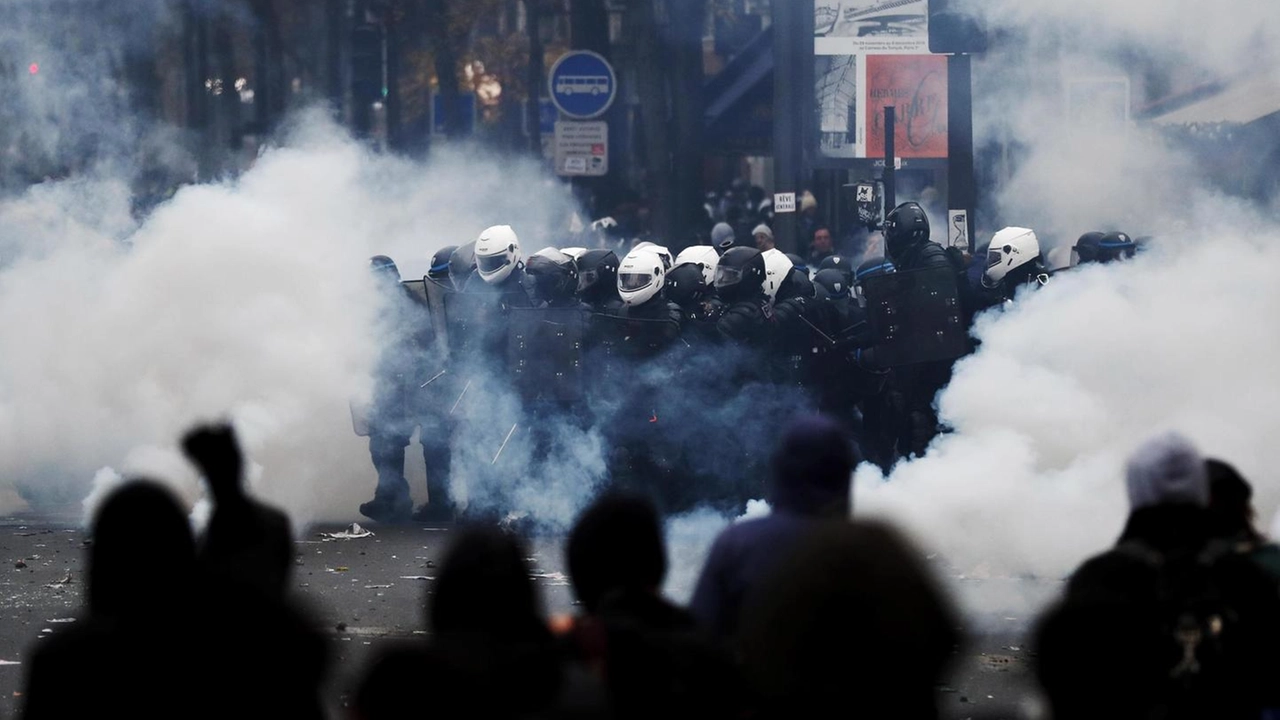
x,y
907,244
500,267
653,322
745,315
1013,261
690,286
435,424
598,280
393,416
554,279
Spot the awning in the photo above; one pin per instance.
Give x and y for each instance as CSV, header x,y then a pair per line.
x,y
1244,100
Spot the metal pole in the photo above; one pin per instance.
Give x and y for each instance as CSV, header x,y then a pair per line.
x,y
962,191
890,177
788,52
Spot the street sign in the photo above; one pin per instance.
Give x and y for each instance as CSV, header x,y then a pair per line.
x,y
784,202
582,84
958,229
582,148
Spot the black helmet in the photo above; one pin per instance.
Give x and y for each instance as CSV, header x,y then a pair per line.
x,y
832,284
905,227
739,274
555,279
798,263
873,267
597,274
1104,247
439,269
462,263
795,284
384,267
838,262
685,285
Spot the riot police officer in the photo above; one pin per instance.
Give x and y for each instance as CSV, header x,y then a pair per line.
x,y
1013,261
500,266
652,323
745,316
408,335
553,279
908,245
598,280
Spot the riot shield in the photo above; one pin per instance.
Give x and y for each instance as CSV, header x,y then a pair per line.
x,y
544,353
473,322
916,316
431,294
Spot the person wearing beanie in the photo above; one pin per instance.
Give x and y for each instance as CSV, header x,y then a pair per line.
x,y
722,237
812,469
764,237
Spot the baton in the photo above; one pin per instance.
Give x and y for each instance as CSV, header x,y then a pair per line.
x,y
815,329
464,392
504,445
433,379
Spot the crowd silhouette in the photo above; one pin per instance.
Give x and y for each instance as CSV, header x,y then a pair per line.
x,y
803,613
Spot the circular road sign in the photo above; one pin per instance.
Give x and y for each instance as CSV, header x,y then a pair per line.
x,y
582,84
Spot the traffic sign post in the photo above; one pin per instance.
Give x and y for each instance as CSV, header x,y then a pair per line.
x,y
582,85
582,148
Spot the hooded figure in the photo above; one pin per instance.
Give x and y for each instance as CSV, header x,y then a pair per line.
x,y
811,473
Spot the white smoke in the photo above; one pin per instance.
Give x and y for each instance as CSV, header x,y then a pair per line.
x,y
1075,376
248,298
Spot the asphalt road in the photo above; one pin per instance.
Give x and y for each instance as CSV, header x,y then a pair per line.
x,y
371,591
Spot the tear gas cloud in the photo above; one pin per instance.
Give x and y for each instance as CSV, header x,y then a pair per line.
x,y
248,297
1075,376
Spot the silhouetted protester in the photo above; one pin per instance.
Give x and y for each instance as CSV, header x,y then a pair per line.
x,y
646,650
490,653
811,475
129,657
852,620
246,543
1171,623
1231,516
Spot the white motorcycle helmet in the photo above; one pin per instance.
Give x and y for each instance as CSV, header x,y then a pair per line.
x,y
667,258
497,253
777,266
703,255
640,276
573,252
1010,248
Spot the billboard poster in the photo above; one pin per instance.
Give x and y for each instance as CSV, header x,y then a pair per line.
x,y
836,93
871,27
916,86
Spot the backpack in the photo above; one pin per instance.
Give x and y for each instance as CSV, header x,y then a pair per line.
x,y
1214,614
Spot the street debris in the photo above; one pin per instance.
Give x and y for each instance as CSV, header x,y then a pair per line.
x,y
372,587
20,565
11,662
340,568
353,532
61,620
416,577
66,580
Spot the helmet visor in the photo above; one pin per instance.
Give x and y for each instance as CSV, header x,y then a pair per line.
x,y
634,281
587,278
726,276
491,263
994,257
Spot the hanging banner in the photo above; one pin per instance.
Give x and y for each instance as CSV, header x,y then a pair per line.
x,y
916,85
